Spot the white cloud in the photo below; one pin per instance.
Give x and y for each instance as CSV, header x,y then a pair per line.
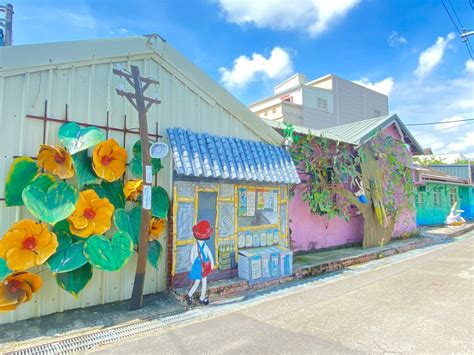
x,y
245,69
396,40
469,66
453,125
431,57
431,141
311,16
464,143
384,86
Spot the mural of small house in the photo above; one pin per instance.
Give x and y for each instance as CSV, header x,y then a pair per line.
x,y
466,193
437,192
224,164
310,230
241,188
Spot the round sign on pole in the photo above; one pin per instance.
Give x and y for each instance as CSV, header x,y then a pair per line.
x,y
159,150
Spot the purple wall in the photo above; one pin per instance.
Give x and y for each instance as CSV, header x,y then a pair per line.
x,y
310,231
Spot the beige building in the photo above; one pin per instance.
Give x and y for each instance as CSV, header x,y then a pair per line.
x,y
321,103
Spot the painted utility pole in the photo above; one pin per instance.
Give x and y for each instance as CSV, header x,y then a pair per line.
x,y
142,104
6,25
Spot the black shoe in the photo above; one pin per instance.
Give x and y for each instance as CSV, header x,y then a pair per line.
x,y
204,302
189,300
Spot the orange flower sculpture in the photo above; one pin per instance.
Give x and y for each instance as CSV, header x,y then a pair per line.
x,y
132,189
93,215
109,160
157,226
27,244
18,288
56,160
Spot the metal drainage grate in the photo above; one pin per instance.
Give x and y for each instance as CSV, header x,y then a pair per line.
x,y
108,336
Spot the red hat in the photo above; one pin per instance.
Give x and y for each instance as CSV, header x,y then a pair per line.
x,y
202,230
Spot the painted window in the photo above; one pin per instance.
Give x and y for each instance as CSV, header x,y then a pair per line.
x,y
419,199
454,195
322,104
437,197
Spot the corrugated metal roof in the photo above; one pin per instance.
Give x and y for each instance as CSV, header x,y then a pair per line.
x,y
205,155
429,173
461,170
357,132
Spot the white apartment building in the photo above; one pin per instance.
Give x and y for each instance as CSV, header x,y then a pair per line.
x,y
325,102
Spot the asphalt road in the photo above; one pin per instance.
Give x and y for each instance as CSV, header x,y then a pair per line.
x,y
423,304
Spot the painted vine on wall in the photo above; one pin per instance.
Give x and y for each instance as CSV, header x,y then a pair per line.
x,y
76,201
379,170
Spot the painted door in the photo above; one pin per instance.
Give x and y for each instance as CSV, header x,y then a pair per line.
x,y
207,209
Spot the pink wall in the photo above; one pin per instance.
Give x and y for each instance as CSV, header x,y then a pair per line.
x,y
310,231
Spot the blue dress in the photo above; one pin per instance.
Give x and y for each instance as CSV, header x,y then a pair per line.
x,y
196,270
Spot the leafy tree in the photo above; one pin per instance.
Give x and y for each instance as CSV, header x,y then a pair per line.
x,y
329,171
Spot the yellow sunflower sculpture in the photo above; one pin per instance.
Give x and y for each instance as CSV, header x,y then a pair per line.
x,y
27,244
109,159
93,215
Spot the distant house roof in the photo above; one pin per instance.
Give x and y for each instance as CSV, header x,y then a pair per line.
x,y
430,174
358,132
464,171
205,155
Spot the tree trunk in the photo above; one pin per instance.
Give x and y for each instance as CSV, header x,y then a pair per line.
x,y
374,233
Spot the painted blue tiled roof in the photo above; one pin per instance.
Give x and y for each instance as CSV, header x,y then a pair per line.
x,y
205,155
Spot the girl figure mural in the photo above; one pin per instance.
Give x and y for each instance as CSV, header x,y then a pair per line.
x,y
201,260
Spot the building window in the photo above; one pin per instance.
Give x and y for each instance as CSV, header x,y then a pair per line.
x,y
274,110
377,113
437,197
453,195
322,104
419,199
265,113
287,98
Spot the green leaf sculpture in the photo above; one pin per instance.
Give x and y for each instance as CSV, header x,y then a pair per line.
x,y
75,281
4,269
160,202
136,167
75,139
51,205
129,221
22,172
109,255
44,181
154,253
113,191
69,256
83,167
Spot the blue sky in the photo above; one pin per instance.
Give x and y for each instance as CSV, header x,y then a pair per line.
x,y
408,49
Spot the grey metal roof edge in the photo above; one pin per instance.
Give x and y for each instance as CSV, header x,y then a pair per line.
x,y
37,57
408,133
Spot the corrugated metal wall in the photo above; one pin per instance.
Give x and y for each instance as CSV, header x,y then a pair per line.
x,y
88,90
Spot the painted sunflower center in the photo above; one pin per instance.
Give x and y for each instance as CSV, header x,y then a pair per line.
x,y
14,285
29,243
106,160
89,213
59,158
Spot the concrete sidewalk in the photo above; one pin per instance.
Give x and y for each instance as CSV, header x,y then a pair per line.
x,y
75,323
